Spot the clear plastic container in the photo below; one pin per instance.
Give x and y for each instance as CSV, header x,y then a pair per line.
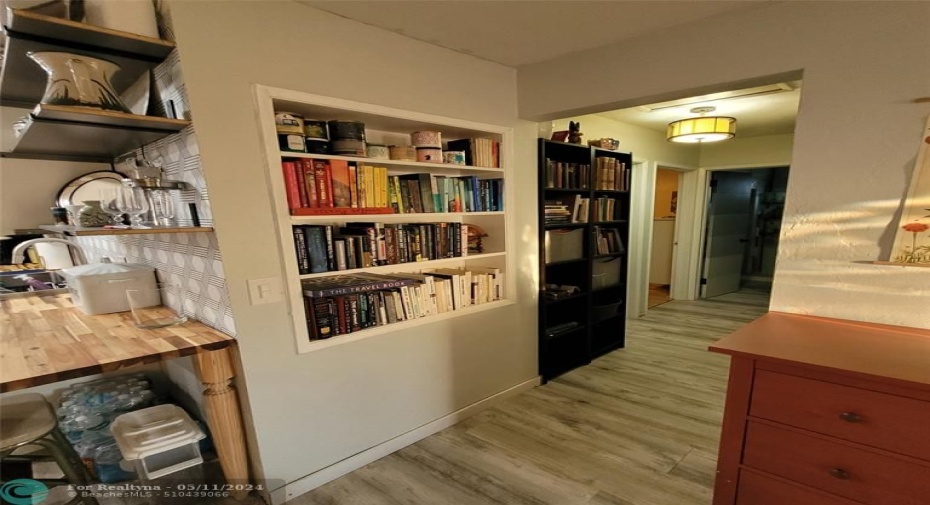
x,y
158,440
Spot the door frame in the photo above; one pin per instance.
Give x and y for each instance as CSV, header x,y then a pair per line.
x,y
695,230
642,206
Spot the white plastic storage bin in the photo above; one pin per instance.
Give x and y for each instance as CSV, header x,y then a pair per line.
x,y
100,288
158,440
564,245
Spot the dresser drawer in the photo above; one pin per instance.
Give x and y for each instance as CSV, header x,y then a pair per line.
x,y
881,420
836,467
755,489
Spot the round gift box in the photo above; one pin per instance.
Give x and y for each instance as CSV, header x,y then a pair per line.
x,y
403,153
378,152
426,139
429,155
289,122
454,157
293,142
315,129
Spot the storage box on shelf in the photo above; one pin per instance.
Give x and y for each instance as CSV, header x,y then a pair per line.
x,y
584,233
439,228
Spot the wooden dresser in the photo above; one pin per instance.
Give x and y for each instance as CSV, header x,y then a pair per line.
x,y
825,412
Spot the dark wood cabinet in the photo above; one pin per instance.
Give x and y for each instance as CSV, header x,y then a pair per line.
x,y
584,208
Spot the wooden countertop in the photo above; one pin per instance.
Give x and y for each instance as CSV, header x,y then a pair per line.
x,y
875,350
44,339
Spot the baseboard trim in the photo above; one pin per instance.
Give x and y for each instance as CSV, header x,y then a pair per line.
x,y
336,470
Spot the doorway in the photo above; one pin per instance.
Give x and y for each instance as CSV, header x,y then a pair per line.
x,y
741,230
664,224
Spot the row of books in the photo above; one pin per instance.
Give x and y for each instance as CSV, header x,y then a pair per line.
x,y
479,152
607,240
348,303
561,175
339,184
611,174
567,210
605,209
327,248
417,193
312,183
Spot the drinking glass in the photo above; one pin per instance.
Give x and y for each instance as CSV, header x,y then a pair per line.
x,y
73,211
109,199
132,201
156,307
163,208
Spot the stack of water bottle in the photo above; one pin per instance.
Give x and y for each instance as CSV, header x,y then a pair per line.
x,y
86,412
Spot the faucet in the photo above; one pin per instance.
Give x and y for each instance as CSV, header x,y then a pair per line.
x,y
19,252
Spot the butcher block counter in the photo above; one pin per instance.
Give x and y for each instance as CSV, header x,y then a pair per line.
x,y
44,339
825,411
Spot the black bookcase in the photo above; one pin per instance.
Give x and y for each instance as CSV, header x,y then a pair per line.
x,y
587,250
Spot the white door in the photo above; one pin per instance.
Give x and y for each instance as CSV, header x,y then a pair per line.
x,y
728,218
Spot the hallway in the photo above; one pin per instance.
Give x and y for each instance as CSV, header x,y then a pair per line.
x,y
639,426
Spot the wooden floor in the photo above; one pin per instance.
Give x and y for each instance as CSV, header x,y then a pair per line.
x,y
638,426
658,294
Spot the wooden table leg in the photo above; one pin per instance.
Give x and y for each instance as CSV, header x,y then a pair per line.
x,y
215,371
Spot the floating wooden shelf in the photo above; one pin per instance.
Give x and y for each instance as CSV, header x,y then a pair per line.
x,y
85,134
78,231
22,81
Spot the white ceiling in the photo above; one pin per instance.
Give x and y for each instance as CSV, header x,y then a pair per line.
x,y
519,32
756,115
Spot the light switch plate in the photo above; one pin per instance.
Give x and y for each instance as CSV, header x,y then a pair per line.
x,y
263,291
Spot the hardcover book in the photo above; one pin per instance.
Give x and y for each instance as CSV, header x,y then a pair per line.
x,y
350,283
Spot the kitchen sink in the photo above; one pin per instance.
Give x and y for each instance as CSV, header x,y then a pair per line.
x,y
31,282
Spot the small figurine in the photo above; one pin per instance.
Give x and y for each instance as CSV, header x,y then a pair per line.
x,y
574,132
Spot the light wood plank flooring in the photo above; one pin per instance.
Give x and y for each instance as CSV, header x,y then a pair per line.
x,y
639,426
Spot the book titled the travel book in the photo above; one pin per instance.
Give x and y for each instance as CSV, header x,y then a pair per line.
x,y
350,283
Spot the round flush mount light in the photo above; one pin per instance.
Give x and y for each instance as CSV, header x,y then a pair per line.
x,y
701,129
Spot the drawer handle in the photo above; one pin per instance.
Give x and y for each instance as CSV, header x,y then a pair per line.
x,y
839,473
850,417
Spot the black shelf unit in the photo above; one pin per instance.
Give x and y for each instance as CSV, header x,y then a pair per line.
x,y
600,306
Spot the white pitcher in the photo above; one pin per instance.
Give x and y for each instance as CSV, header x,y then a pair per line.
x,y
78,80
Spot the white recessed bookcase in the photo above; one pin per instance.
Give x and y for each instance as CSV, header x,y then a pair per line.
x,y
385,125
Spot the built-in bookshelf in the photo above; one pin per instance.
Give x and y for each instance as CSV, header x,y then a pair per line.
x,y
463,228
584,208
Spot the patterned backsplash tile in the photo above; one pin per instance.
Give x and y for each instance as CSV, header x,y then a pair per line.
x,y
190,261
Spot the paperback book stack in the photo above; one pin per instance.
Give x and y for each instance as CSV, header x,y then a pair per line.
x,y
479,152
611,175
605,209
330,248
607,241
560,175
573,209
345,304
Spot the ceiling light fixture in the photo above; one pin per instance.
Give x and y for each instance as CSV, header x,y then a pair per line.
x,y
701,129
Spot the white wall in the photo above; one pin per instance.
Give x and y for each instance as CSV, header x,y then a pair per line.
x,y
312,410
28,188
766,151
856,138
